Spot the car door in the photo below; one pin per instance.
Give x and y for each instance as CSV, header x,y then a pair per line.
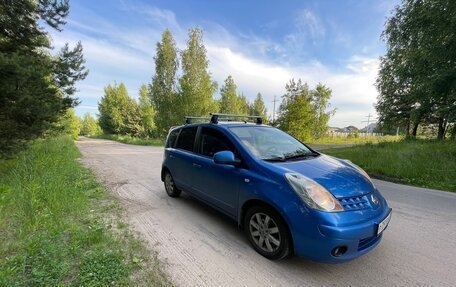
x,y
217,183
169,155
181,158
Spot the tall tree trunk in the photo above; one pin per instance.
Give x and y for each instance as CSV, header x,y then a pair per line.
x,y
442,126
415,128
407,128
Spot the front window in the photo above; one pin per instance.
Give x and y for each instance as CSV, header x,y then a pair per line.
x,y
271,144
212,141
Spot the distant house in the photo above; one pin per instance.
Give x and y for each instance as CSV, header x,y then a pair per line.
x,y
349,129
370,128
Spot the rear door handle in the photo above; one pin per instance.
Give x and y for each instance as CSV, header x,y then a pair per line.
x,y
171,156
196,165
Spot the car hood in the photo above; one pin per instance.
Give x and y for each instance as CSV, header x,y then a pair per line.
x,y
336,175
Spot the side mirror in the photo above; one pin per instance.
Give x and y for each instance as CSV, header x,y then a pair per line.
x,y
226,157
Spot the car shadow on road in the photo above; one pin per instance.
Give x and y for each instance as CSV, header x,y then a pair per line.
x,y
217,233
229,233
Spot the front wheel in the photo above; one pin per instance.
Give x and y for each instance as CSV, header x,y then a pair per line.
x,y
170,186
267,232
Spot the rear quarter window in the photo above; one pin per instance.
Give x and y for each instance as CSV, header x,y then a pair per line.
x,y
186,139
172,138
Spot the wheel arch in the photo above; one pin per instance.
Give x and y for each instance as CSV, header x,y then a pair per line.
x,y
163,171
258,202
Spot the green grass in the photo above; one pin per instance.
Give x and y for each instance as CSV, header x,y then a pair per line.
x,y
59,227
132,140
425,163
323,141
353,140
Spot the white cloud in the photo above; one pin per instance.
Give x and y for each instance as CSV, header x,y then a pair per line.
x,y
307,21
353,89
248,72
308,29
104,53
126,53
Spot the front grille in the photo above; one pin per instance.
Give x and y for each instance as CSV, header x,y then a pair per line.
x,y
354,203
367,242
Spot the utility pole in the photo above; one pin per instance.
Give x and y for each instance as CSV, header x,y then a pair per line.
x,y
274,109
368,122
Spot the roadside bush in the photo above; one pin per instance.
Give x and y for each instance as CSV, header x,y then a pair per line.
x,y
89,126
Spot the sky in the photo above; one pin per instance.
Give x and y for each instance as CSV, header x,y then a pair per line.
x,y
262,44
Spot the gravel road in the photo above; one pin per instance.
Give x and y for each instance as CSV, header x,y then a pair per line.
x,y
203,248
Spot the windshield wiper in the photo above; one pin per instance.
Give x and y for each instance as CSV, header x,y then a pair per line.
x,y
290,157
274,158
301,155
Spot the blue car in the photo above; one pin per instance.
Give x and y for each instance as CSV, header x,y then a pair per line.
x,y
287,197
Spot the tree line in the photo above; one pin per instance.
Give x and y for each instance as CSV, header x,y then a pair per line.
x,y
37,83
417,76
165,101
416,81
37,86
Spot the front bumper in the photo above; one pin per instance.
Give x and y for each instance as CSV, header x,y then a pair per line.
x,y
358,239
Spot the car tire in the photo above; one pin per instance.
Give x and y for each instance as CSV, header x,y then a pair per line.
x,y
267,232
170,186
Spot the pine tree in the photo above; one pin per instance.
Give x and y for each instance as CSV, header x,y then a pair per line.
x,y
244,106
162,90
36,87
229,103
258,107
196,86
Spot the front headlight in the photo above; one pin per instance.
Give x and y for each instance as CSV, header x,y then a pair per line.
x,y
313,194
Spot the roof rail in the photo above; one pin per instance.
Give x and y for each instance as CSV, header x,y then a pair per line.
x,y
188,119
215,117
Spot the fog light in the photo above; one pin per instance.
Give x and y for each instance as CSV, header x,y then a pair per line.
x,y
339,251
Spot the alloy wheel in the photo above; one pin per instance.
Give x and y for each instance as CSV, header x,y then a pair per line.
x,y
169,183
265,232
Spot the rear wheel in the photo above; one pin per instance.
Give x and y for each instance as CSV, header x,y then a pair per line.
x,y
267,232
170,186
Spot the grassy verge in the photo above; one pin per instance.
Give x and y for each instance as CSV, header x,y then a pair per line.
x,y
323,141
424,163
353,140
132,140
59,227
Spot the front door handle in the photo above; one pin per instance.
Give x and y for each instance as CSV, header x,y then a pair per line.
x,y
171,156
196,165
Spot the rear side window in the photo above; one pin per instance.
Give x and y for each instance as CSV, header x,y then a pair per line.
x,y
213,141
186,138
172,138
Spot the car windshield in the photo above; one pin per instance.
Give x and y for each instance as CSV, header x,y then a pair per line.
x,y
271,144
